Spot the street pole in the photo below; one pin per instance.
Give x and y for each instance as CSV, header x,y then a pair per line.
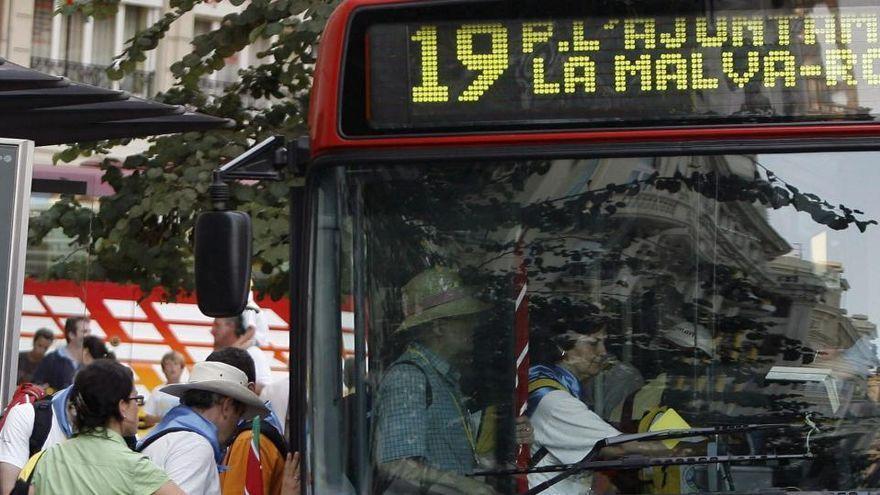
x,y
67,40
67,47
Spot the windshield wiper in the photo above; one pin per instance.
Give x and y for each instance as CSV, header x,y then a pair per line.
x,y
636,462
640,461
687,432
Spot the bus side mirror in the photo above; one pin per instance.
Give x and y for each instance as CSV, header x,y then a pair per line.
x,y
223,251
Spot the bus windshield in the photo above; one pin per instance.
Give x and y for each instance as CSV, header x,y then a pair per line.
x,y
515,313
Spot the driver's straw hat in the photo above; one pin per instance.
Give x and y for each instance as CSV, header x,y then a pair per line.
x,y
436,293
689,336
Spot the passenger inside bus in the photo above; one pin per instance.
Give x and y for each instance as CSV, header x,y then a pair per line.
x,y
677,355
565,355
425,436
705,309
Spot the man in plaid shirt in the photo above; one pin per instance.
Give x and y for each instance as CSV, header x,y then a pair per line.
x,y
425,439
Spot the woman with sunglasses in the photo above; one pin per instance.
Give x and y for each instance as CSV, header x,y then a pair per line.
x,y
96,460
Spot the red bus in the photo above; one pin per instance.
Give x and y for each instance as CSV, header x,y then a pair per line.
x,y
646,227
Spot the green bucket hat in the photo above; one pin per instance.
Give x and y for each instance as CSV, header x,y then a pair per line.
x,y
437,293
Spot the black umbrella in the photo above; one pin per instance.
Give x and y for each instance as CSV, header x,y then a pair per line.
x,y
52,110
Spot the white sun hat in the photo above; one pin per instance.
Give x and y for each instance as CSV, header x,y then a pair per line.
x,y
223,379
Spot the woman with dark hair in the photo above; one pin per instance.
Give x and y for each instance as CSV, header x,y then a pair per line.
x,y
97,460
95,348
566,353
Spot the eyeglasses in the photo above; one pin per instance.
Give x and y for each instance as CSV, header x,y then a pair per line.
x,y
138,398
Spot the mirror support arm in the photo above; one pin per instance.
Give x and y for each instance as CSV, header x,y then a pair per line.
x,y
267,160
264,161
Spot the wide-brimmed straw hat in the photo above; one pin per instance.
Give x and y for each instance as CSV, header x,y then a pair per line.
x,y
223,379
437,293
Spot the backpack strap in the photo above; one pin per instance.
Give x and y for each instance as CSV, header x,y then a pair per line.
x,y
146,443
27,472
42,425
275,437
540,383
429,393
534,386
536,458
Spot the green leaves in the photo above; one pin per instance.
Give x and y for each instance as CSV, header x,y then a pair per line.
x,y
273,29
142,233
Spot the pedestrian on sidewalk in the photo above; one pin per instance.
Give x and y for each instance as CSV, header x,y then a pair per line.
x,y
159,403
97,460
34,426
188,443
56,370
28,361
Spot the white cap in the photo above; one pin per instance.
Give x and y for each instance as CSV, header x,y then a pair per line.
x,y
689,336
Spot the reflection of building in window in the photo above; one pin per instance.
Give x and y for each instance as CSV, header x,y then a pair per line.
x,y
677,254
815,296
642,169
71,46
56,245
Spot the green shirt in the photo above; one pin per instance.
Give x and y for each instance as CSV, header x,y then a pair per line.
x,y
98,463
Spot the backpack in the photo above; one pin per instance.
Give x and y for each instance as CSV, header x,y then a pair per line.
x,y
26,393
266,431
42,424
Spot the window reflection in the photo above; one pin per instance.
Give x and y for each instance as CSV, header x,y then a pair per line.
x,y
659,292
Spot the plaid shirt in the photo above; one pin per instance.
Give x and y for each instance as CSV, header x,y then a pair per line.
x,y
409,428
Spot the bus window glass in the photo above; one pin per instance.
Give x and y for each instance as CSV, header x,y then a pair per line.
x,y
600,296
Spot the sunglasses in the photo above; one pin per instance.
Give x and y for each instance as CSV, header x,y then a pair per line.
x,y
138,398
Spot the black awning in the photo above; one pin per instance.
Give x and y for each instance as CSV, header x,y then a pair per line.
x,y
27,98
14,77
52,110
153,126
91,113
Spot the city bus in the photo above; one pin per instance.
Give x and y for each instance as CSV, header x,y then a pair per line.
x,y
665,210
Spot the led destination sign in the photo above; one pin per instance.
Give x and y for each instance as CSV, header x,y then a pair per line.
x,y
743,66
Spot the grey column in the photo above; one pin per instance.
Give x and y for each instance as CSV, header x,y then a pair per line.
x,y
16,164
